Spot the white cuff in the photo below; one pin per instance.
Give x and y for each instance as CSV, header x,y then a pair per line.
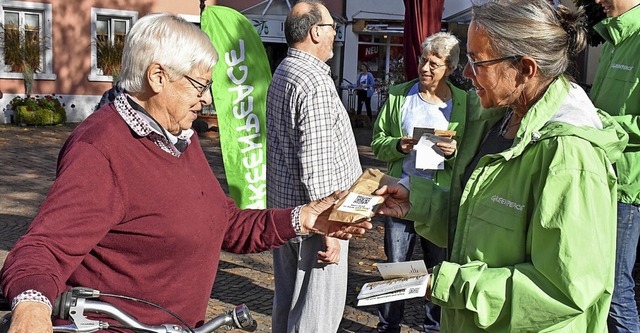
x,y
295,220
30,296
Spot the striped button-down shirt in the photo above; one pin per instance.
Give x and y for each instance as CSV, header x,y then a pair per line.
x,y
311,150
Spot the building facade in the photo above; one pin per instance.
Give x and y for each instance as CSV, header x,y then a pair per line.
x,y
69,35
73,65
72,32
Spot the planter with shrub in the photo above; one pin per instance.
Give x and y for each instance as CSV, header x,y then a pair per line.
x,y
36,110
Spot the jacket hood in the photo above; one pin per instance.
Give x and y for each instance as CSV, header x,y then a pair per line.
x,y
565,109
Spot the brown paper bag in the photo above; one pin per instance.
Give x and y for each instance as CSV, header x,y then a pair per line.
x,y
361,203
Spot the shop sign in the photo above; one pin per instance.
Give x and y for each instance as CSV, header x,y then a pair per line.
x,y
368,52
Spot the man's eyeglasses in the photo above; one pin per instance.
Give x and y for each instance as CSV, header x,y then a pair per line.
x,y
432,65
474,64
202,88
333,25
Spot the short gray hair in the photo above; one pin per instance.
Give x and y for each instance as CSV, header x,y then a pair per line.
x,y
533,28
296,25
166,39
443,45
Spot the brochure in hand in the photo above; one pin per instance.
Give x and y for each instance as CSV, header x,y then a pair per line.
x,y
402,280
428,156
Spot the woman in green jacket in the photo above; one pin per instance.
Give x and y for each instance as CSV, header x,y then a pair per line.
x,y
530,218
428,101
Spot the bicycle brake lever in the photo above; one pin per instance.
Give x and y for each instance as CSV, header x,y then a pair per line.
x,y
84,324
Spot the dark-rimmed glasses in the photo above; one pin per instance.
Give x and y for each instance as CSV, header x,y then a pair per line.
x,y
201,88
475,64
333,25
422,60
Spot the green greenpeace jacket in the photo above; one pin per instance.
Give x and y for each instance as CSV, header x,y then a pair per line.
x,y
387,130
616,90
535,225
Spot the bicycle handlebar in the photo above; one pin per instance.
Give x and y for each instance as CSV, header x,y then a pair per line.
x,y
73,304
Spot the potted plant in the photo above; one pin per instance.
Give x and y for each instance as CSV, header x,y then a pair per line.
x,y
35,111
22,52
109,56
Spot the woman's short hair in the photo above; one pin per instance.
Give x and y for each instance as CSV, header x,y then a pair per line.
x,y
168,40
533,28
297,25
443,45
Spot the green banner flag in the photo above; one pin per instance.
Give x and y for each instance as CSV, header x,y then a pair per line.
x,y
240,82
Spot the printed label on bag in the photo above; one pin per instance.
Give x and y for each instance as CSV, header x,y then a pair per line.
x,y
360,203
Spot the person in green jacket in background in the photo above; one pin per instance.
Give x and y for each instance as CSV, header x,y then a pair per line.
x,y
530,218
429,101
616,90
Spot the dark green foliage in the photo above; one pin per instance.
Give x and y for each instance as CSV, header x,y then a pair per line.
x,y
109,56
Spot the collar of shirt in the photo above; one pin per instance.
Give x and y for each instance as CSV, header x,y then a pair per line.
x,y
309,59
143,124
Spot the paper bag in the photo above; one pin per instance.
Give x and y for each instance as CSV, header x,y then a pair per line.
x,y
361,203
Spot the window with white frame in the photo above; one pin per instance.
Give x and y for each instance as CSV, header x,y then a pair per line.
x,y
109,29
26,40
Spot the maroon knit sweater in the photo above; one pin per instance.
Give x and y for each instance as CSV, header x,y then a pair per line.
x,y
126,217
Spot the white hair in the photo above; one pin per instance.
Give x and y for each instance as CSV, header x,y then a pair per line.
x,y
168,40
443,45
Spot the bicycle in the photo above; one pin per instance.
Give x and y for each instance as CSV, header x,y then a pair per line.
x,y
73,304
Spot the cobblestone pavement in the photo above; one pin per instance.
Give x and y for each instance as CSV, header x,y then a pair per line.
x,y
28,162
